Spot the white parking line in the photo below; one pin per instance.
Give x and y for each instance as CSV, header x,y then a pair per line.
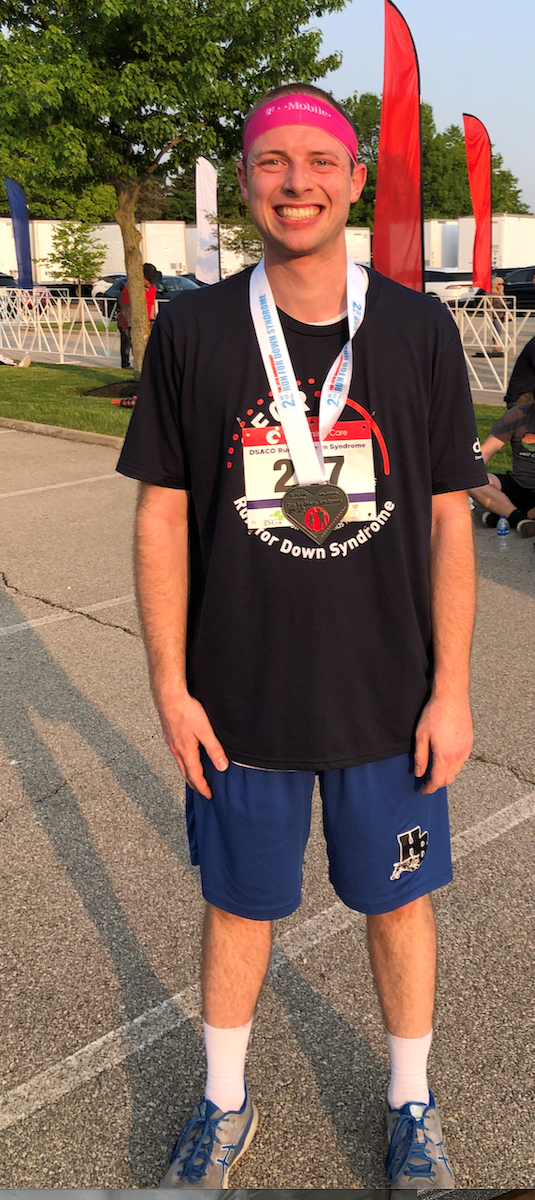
x,y
135,1036
66,616
51,487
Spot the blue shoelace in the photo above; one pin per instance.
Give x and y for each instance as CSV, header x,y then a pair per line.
x,y
406,1150
198,1137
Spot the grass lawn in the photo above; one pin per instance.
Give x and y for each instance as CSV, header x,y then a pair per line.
x,y
486,417
50,394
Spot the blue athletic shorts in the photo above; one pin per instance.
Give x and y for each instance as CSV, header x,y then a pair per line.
x,y
387,844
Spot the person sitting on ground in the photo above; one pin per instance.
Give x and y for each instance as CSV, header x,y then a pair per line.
x,y
10,362
511,495
522,381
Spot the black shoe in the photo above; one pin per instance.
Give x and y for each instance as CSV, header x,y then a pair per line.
x,y
490,519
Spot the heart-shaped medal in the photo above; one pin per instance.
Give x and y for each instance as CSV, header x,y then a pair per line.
x,y
315,508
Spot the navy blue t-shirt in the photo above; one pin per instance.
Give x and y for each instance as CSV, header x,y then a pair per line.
x,y
304,656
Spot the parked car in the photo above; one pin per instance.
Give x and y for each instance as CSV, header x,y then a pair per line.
x,y
103,284
200,282
167,289
449,285
7,280
521,283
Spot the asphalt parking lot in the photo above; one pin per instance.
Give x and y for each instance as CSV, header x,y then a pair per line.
x,y
101,1055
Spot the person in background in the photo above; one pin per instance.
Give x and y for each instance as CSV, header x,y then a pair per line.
x,y
522,382
511,495
10,362
498,304
151,276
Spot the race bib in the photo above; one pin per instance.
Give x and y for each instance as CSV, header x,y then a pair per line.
x,y
269,472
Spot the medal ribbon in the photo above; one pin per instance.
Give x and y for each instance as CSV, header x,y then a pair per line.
x,y
307,458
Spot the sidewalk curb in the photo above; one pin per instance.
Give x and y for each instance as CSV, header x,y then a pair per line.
x,y
58,431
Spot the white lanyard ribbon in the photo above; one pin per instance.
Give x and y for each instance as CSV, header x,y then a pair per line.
x,y
307,458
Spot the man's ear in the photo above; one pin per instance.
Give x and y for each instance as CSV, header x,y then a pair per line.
x,y
241,172
358,179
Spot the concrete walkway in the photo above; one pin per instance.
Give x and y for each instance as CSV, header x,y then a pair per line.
x,y
101,1056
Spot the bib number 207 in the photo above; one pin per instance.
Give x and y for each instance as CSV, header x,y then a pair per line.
x,y
283,484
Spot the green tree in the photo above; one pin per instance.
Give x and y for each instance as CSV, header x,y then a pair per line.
x,y
119,91
445,175
94,204
240,236
365,113
75,253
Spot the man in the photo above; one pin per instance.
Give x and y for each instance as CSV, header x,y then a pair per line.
x,y
124,318
522,381
511,495
303,645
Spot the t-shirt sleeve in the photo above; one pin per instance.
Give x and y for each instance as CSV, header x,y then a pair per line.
x,y
456,461
153,450
509,422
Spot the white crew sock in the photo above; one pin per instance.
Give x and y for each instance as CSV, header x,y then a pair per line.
x,y
408,1080
225,1057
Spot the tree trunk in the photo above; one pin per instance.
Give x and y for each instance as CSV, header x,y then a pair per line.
x,y
127,194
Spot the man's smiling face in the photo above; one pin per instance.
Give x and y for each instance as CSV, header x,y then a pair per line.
x,y
299,184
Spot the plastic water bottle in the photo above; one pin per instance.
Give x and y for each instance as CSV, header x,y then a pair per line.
x,y
503,531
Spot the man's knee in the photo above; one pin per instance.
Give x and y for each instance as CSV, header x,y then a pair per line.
x,y
413,910
230,920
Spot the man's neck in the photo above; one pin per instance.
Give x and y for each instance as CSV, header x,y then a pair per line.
x,y
310,288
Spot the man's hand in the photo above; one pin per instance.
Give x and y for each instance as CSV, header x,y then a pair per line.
x,y
162,592
445,730
185,725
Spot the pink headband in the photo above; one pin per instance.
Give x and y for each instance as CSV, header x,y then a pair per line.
x,y
300,109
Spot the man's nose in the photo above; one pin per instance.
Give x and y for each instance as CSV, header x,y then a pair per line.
x,y
297,180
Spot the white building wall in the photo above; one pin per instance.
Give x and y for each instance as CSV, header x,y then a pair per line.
x,y
513,240
432,244
8,257
111,237
441,243
164,244
358,244
467,229
449,243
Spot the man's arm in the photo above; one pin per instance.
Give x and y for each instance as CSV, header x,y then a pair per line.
x,y
445,726
161,566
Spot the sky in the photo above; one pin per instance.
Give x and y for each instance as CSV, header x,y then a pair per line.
x,y
475,56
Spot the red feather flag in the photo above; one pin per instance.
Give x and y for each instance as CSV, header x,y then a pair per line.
x,y
398,227
479,161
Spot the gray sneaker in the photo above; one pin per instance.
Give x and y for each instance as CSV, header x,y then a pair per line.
x,y
209,1145
416,1156
526,528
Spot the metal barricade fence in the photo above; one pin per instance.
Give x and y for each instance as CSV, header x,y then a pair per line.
x,y
51,322
492,333
56,324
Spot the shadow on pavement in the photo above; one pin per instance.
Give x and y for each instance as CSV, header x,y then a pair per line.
x,y
167,1079
352,1082
514,569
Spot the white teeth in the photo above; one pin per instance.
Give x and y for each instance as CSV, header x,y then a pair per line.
x,y
295,214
